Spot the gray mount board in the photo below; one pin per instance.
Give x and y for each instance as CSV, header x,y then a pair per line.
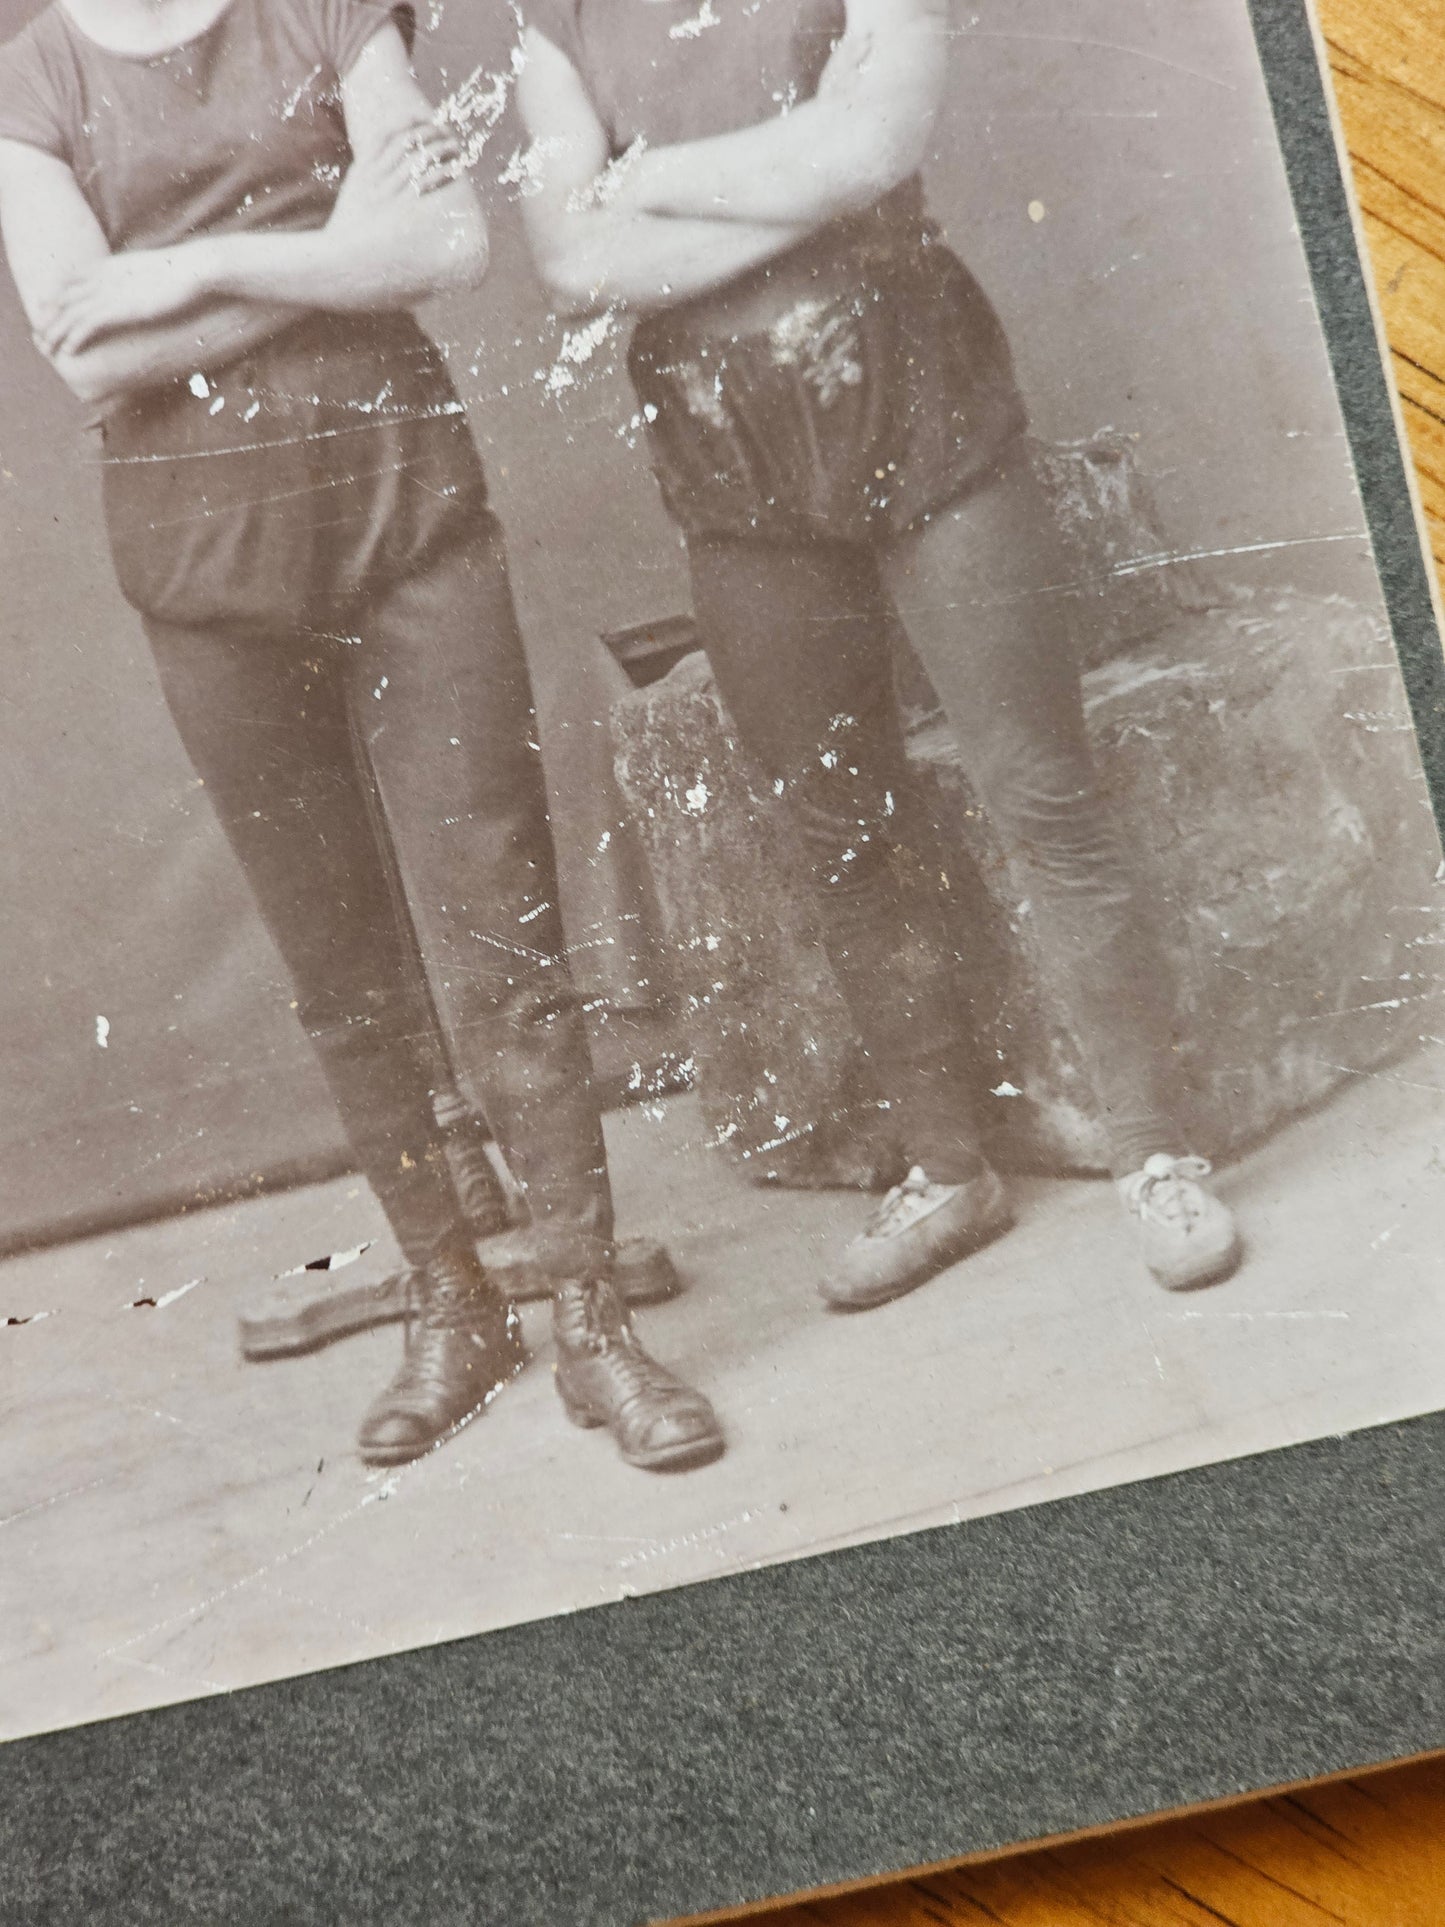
x,y
901,1704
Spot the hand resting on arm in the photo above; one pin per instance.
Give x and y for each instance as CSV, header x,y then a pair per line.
x,y
591,246
56,249
404,226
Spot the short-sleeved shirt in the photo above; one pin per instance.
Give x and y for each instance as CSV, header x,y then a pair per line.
x,y
245,499
240,127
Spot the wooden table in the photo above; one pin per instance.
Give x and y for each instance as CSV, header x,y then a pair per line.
x,y
1367,1852
1388,62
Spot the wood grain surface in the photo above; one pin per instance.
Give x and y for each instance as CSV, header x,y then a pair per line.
x,y
1368,1852
1387,58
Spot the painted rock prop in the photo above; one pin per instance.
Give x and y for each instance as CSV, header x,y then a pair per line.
x,y
1277,840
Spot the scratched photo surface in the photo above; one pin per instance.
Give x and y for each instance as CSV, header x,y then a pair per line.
x,y
713,845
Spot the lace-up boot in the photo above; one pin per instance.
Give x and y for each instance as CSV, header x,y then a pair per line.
x,y
463,1341
918,1230
1189,1237
606,1378
483,1198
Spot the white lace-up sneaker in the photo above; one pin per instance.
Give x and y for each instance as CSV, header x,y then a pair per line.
x,y
1189,1237
918,1230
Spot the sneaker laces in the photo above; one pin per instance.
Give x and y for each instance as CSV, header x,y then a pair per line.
x,y
1165,1190
904,1205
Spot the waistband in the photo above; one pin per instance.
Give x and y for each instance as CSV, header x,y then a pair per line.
x,y
366,365
884,250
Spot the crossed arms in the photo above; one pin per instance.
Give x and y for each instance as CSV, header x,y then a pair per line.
x,y
403,226
654,229
662,225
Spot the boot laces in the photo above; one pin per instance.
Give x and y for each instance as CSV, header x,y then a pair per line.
x,y
441,1305
905,1204
427,1369
441,1297
1166,1190
422,1375
635,1372
477,1184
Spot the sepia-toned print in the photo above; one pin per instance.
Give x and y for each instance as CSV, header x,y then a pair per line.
x,y
716,844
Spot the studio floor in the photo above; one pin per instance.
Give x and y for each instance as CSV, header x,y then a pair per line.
x,y
177,1521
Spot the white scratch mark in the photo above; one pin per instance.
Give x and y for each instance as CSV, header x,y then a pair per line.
x,y
293,100
704,18
1078,42
1251,1317
56,1498
686,1541
1154,1352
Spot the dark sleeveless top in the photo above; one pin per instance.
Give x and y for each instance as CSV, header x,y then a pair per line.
x,y
847,388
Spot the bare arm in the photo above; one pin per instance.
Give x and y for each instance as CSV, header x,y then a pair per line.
x,y
51,236
591,249
865,131
404,226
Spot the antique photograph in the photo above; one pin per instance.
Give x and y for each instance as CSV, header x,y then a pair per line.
x,y
714,846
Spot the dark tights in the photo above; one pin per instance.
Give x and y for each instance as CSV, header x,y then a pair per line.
x,y
382,774
799,639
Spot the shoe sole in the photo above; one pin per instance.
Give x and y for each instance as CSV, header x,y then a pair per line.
x,y
680,1459
942,1260
1226,1268
405,1455
671,1458
307,1316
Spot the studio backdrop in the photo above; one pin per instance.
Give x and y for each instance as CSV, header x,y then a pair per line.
x,y
148,1052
